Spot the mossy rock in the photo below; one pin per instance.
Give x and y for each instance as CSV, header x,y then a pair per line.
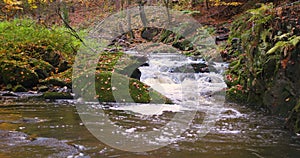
x,y
42,68
108,60
60,79
124,89
56,82
17,73
129,66
184,45
56,95
19,88
149,33
8,87
43,88
63,66
293,122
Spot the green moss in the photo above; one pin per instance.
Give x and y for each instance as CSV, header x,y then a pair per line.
x,y
31,38
15,73
30,52
56,82
108,60
56,95
265,63
19,88
294,119
138,92
60,79
8,87
123,89
42,68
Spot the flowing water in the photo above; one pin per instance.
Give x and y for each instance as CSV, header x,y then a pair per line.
x,y
56,130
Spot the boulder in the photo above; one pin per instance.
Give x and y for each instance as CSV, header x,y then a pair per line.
x,y
293,122
124,89
57,95
42,68
184,45
56,82
52,57
132,69
43,88
13,73
9,94
19,88
191,68
63,66
149,33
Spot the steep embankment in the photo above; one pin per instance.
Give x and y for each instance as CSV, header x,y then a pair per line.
x,y
264,55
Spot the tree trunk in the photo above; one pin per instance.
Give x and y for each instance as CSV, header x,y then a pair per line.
x,y
142,12
129,20
167,2
206,4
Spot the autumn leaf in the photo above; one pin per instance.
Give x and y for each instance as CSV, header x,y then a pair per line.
x,y
284,63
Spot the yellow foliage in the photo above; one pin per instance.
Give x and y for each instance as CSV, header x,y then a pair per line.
x,y
12,5
16,4
12,2
32,4
220,3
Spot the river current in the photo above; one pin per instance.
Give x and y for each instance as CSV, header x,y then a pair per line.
x,y
217,128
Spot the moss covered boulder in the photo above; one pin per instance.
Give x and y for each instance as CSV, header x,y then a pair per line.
x,y
56,95
14,73
42,68
114,87
294,119
30,53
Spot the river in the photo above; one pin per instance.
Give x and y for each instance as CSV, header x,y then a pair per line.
x,y
55,129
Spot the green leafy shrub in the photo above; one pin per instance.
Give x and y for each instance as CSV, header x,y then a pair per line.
x,y
264,67
30,52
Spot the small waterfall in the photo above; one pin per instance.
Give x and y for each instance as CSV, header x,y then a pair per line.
x,y
182,85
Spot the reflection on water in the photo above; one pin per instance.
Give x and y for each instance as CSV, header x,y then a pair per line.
x,y
239,132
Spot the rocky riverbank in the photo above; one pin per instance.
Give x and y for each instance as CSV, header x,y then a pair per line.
x,y
263,52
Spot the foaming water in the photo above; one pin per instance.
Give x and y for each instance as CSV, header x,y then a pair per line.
x,y
181,87
56,130
149,109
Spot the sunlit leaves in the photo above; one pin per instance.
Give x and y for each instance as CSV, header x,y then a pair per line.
x,y
12,5
222,3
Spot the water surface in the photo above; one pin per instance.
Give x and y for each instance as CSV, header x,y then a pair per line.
x,y
56,129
